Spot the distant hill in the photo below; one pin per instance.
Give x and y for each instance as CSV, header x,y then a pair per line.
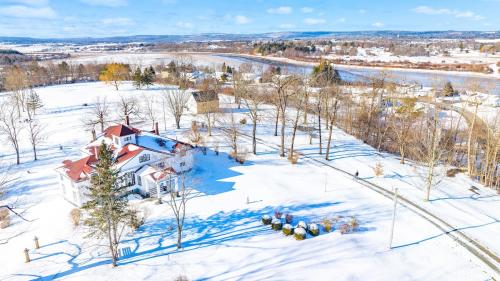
x,y
260,36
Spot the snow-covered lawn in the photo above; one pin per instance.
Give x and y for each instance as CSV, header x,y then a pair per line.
x,y
225,239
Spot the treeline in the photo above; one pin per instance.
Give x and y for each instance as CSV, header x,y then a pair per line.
x,y
34,75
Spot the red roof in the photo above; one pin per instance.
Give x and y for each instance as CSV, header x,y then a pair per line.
x,y
74,169
120,130
127,152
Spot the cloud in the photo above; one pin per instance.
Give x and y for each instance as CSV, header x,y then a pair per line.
x,y
280,10
311,21
426,10
377,24
19,11
240,19
307,10
287,25
31,2
185,25
117,21
106,3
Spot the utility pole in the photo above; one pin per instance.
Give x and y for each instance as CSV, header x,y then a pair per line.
x,y
393,217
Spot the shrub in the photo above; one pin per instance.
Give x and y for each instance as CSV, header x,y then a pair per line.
x,y
288,218
379,169
344,228
313,229
327,224
302,225
181,278
4,218
354,224
135,221
276,224
5,222
76,216
453,172
243,121
299,234
278,214
351,226
266,220
294,159
4,213
287,229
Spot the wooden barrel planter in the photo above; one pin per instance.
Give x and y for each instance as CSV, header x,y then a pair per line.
x,y
313,229
287,229
276,224
266,220
299,233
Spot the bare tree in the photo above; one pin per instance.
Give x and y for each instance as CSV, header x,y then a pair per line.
x,y
128,106
149,109
99,114
401,122
231,130
178,202
299,99
10,126
16,80
429,149
331,99
281,85
253,101
35,132
176,102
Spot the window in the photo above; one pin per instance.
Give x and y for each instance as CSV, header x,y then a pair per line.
x,y
127,138
126,180
144,158
116,140
139,180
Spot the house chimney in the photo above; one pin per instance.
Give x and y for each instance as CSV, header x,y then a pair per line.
x,y
127,120
96,152
94,137
157,132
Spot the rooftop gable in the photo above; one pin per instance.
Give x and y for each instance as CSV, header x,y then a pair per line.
x,y
120,130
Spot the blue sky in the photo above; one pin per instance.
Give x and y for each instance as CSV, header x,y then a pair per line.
x,y
98,18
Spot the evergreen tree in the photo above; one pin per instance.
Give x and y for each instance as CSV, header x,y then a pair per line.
x,y
107,207
171,67
325,73
448,90
33,102
138,78
148,77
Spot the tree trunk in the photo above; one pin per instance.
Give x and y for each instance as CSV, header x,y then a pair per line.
x,y
319,129
254,136
283,120
276,123
330,131
469,144
34,152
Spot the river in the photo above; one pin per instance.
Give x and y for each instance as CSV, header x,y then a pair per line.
x,y
426,79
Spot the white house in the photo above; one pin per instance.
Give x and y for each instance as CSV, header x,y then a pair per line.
x,y
146,163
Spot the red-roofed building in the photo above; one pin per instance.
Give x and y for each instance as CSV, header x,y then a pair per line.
x,y
146,163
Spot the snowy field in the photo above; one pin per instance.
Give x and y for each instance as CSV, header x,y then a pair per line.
x,y
225,239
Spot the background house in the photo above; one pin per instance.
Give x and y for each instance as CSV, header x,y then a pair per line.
x,y
205,101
